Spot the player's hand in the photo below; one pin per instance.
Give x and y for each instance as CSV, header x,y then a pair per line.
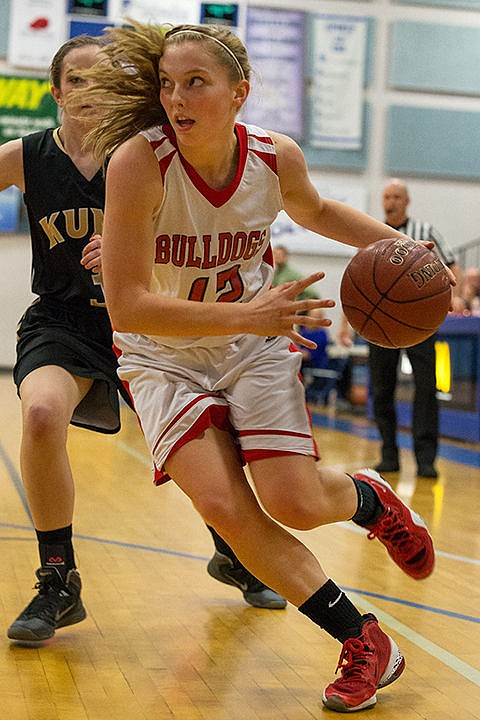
x,y
431,246
345,333
92,254
277,312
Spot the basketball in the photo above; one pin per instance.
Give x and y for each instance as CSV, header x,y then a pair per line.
x,y
395,292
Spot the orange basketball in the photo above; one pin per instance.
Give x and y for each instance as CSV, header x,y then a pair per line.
x,y
395,292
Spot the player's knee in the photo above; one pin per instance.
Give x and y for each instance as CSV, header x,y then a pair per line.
x,y
294,512
41,419
217,511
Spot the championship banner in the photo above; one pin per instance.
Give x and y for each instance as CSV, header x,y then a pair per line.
x,y
338,73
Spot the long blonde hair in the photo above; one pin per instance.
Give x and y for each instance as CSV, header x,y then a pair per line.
x,y
125,87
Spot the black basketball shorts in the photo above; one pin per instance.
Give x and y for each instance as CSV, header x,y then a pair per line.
x,y
77,338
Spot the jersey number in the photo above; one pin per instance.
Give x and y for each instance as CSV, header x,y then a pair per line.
x,y
229,285
97,280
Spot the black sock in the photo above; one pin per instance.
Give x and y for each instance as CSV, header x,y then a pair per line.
x,y
221,545
369,506
56,549
330,608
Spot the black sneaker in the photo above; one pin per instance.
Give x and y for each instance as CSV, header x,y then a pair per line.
x,y
224,569
386,466
57,604
427,470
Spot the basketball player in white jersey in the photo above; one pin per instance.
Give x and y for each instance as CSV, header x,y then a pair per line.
x,y
208,347
66,370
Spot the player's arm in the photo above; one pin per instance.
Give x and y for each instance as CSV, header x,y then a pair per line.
x,y
133,194
11,165
325,217
128,243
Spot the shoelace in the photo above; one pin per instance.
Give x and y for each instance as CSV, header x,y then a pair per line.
x,y
354,657
44,603
392,529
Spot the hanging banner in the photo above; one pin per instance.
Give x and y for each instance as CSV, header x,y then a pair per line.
x,y
337,80
275,41
174,12
36,31
26,105
87,27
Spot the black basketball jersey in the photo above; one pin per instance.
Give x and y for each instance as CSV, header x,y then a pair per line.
x,y
64,211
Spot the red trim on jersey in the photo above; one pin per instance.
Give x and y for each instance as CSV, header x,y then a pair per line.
x,y
159,477
216,415
268,256
165,161
219,197
249,433
270,159
251,455
182,412
315,446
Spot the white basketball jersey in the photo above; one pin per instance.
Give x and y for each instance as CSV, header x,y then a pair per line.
x,y
214,245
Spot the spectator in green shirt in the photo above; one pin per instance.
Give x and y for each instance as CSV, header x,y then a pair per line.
x,y
283,272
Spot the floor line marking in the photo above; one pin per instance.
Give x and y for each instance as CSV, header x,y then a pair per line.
x,y
141,457
348,526
16,479
418,606
447,658
202,558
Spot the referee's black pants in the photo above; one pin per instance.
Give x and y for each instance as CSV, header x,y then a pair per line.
x,y
383,367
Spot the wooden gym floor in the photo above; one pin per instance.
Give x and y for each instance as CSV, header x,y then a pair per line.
x,y
164,640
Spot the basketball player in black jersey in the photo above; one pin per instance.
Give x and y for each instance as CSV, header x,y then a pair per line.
x,y
66,368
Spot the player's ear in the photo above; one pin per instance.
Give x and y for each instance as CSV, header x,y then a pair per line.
x,y
241,93
57,95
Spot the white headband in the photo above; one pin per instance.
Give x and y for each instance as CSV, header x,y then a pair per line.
x,y
219,42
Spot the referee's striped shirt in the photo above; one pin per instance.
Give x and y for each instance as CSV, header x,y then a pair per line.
x,y
420,230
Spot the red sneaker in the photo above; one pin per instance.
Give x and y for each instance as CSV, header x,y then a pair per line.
x,y
368,662
400,529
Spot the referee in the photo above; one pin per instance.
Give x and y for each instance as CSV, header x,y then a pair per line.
x,y
383,362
